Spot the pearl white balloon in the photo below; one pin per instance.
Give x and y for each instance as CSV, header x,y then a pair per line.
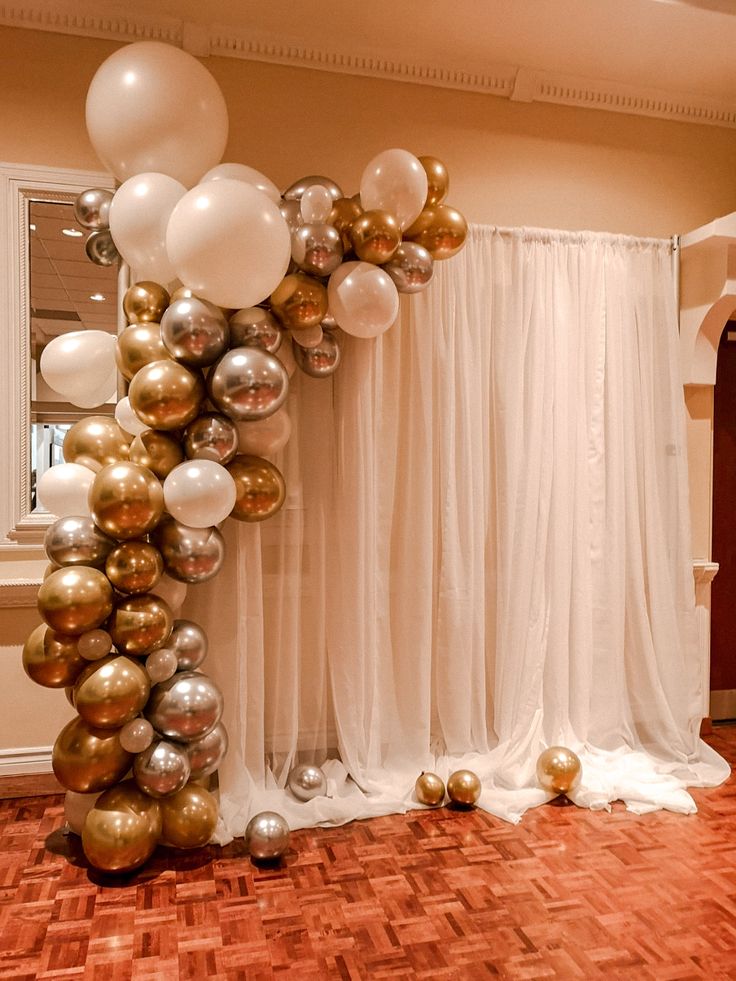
x,y
76,808
161,665
309,337
153,107
139,217
81,367
264,437
94,644
171,591
363,299
136,735
228,243
395,181
242,172
199,493
316,204
63,489
126,418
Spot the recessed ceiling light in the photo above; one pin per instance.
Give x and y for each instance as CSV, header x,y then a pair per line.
x,y
97,297
72,232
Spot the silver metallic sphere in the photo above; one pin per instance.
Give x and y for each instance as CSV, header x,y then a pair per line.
x,y
189,642
411,268
194,331
247,384
211,437
255,326
185,707
307,781
92,208
206,754
162,769
190,554
267,836
291,212
295,191
321,360
77,541
317,248
100,248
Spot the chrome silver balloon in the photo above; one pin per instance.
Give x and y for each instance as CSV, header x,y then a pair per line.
x,y
100,248
194,331
411,268
317,248
185,707
255,326
291,212
162,769
206,754
247,384
267,836
77,541
295,191
189,642
92,208
321,360
190,554
307,781
211,436
329,322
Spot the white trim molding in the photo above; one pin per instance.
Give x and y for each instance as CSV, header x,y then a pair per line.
x,y
25,761
19,593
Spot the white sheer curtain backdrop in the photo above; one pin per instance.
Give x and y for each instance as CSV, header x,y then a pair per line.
x,y
485,550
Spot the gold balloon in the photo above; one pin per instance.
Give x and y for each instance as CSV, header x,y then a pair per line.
x,y
75,600
52,659
117,841
166,394
375,236
111,691
140,624
343,214
145,301
126,500
129,798
299,301
429,789
51,567
189,817
95,442
441,230
463,788
559,770
157,451
134,567
438,180
138,345
86,759
259,486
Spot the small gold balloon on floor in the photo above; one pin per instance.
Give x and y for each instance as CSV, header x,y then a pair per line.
x,y
145,301
442,231
134,567
95,442
166,395
139,345
189,817
429,789
343,214
463,788
140,624
438,180
75,599
111,691
87,759
260,488
52,659
160,452
559,770
299,301
126,500
375,236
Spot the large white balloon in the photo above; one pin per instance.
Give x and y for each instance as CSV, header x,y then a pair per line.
x,y
126,418
139,217
80,366
199,493
153,107
395,181
64,488
362,298
228,243
249,175
264,437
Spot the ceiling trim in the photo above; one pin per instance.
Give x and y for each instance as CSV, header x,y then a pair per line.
x,y
518,83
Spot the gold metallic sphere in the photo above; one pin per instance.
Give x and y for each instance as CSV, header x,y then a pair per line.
x,y
52,659
75,599
128,797
442,231
140,624
559,770
160,452
86,759
429,789
111,691
126,500
166,394
139,345
463,788
299,301
145,301
134,567
259,487
95,442
438,180
343,214
189,817
117,841
375,236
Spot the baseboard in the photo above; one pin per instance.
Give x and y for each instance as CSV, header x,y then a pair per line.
x,y
24,761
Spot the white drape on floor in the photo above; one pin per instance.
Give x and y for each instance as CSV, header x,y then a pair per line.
x,y
484,551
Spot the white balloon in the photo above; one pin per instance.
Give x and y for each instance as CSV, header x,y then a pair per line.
x,y
249,175
362,298
153,107
126,418
228,243
171,591
136,735
199,493
264,437
316,204
80,366
63,489
139,217
309,336
395,181
77,807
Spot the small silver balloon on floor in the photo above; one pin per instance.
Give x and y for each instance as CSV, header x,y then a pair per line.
x,y
267,836
307,781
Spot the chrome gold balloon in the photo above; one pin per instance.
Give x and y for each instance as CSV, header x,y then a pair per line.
x,y
375,236
185,707
463,788
190,555
166,394
128,797
140,624
442,231
51,659
126,500
162,769
260,488
344,213
317,248
247,384
322,359
158,451
559,770
411,268
75,600
86,759
76,541
438,180
299,301
111,692
138,345
95,442
145,301
134,567
254,325
211,436
194,331
429,789
122,829
189,817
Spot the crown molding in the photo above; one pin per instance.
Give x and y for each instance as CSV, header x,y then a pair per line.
x,y
518,83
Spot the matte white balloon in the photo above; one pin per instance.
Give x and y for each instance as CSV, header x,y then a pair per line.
x,y
126,418
161,665
76,808
316,204
94,644
139,217
64,488
395,181
171,591
309,337
199,493
153,107
81,367
363,299
136,735
264,437
249,175
228,243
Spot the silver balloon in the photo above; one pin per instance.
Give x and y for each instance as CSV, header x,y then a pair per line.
x,y
267,836
185,707
206,754
194,331
211,437
291,212
77,541
307,781
255,326
317,248
411,268
189,642
321,360
247,384
100,248
329,322
162,769
190,554
92,208
297,189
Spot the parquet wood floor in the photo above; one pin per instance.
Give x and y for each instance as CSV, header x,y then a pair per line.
x,y
434,894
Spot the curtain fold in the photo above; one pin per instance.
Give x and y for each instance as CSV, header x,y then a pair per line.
x,y
484,550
